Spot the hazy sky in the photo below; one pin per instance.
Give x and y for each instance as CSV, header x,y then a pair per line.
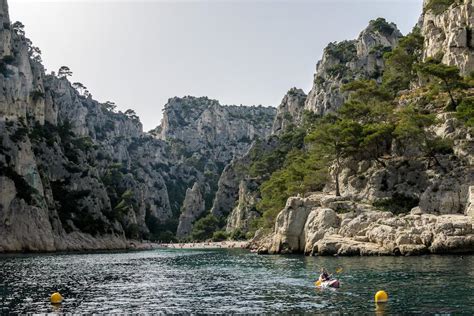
x,y
140,53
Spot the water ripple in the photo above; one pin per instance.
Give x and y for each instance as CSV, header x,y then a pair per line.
x,y
232,281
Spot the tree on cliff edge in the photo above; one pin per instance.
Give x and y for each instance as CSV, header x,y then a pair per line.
x,y
336,139
64,72
18,28
449,77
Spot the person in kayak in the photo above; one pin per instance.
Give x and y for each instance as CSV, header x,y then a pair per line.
x,y
324,276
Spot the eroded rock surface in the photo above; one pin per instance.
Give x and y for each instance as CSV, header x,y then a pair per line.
x,y
448,34
76,174
349,60
309,225
193,207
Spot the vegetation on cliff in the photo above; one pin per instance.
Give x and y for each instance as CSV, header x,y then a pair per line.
x,y
371,125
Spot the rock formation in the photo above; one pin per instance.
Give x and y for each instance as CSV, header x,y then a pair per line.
x,y
193,207
228,190
290,111
327,225
75,174
206,135
447,30
402,204
349,60
241,216
217,132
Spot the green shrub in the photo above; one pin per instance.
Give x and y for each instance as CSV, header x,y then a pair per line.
x,y
399,63
161,231
465,112
339,70
397,204
19,135
219,235
205,227
37,95
382,26
4,69
83,143
301,173
345,51
237,234
438,6
132,231
46,132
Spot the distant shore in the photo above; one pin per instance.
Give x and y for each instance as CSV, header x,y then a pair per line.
x,y
136,245
205,245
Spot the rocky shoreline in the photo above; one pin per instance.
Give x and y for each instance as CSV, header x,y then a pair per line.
x,y
328,225
80,242
111,243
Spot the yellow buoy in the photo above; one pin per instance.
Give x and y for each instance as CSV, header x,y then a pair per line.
x,y
381,297
56,298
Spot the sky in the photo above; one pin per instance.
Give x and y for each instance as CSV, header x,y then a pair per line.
x,y
140,53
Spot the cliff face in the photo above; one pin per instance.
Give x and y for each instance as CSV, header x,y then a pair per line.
x,y
242,215
193,207
436,198
72,171
219,133
349,60
327,225
290,111
448,33
206,135
76,175
341,63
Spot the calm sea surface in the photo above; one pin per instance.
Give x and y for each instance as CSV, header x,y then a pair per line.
x,y
233,281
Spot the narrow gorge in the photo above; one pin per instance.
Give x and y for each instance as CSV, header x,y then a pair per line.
x,y
376,159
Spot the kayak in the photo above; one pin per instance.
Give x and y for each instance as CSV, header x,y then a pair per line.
x,y
334,283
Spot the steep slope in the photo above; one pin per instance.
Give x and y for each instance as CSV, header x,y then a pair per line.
x,y
406,188
290,111
206,135
75,174
341,63
217,132
447,29
350,60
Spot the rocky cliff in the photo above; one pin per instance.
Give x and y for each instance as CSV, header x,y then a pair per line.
x,y
75,174
69,175
327,225
341,63
447,29
217,132
206,135
193,207
290,111
349,60
403,203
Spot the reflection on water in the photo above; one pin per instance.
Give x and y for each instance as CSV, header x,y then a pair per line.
x,y
224,281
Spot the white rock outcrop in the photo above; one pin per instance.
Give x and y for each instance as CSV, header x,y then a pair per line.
x,y
290,111
241,216
193,207
448,34
348,60
308,225
77,174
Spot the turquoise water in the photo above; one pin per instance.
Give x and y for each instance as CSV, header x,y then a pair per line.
x,y
233,281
